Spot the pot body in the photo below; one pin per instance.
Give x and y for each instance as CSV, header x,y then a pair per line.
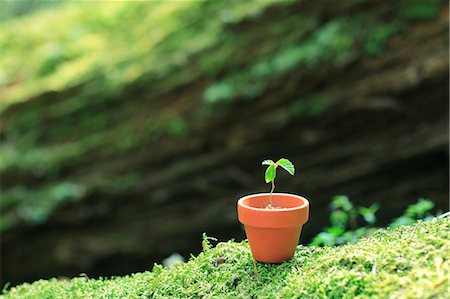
x,y
273,234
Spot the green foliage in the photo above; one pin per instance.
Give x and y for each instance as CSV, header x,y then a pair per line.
x,y
206,244
271,173
335,43
378,37
344,219
406,262
419,210
312,105
420,9
286,165
96,46
267,162
19,8
34,206
271,170
93,51
177,127
92,87
332,43
219,92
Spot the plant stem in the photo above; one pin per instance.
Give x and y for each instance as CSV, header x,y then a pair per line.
x,y
254,268
271,191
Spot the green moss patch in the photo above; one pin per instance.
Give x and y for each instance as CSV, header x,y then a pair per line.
x,y
406,262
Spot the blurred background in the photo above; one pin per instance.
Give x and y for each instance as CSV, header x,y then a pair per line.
x,y
129,128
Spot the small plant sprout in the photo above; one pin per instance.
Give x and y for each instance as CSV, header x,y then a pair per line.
x,y
271,173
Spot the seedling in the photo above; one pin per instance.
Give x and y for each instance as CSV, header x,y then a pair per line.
x,y
271,173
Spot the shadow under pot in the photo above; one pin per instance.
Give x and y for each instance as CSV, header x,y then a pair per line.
x,y
273,234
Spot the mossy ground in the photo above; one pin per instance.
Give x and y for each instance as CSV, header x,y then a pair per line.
x,y
406,262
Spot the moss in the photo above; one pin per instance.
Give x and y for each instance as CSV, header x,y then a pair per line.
x,y
378,37
331,43
93,86
406,262
313,105
34,205
420,9
84,47
334,43
24,154
407,11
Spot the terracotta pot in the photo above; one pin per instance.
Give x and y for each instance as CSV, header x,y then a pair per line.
x,y
273,234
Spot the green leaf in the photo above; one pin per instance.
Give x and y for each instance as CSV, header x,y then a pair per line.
x,y
287,165
339,218
369,213
341,202
335,231
267,162
270,173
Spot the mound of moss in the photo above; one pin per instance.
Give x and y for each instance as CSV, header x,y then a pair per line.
x,y
406,262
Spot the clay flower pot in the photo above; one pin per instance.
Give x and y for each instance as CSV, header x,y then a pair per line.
x,y
273,234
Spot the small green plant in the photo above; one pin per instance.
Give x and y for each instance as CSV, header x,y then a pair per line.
x,y
271,172
346,218
419,210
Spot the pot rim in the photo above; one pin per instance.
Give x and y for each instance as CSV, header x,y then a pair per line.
x,y
303,206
